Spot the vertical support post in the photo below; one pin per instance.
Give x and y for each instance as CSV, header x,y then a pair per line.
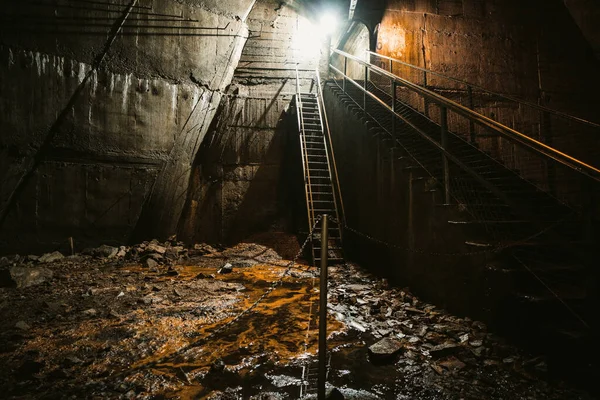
x,y
393,108
445,166
323,310
365,86
391,66
546,137
345,73
425,102
471,106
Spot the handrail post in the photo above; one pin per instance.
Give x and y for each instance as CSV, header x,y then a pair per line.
x,y
393,108
546,133
425,101
445,166
323,311
391,66
345,73
471,106
365,87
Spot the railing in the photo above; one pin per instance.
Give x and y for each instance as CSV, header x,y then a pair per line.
x,y
331,163
382,94
569,134
331,160
305,170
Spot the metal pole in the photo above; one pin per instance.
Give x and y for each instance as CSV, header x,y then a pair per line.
x,y
345,73
365,89
393,108
323,312
425,101
445,167
471,106
547,139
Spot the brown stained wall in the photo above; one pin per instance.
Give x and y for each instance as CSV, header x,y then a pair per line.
x,y
240,183
533,50
121,157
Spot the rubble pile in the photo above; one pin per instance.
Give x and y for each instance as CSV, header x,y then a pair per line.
x,y
129,322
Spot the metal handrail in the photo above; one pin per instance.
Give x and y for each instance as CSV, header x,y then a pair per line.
x,y
305,171
511,134
505,96
327,135
431,141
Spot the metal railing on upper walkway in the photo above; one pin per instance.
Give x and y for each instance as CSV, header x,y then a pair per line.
x,y
399,103
570,134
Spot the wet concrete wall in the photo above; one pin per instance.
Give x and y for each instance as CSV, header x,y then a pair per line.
x,y
128,131
533,50
240,183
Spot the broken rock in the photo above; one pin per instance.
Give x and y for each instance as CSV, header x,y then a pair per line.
x,y
51,257
385,349
226,269
107,251
452,364
22,325
21,277
155,248
444,350
151,263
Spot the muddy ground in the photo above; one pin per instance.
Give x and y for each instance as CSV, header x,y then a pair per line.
x,y
159,320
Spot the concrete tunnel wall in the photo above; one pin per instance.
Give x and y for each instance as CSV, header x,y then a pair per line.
x,y
130,162
242,176
122,154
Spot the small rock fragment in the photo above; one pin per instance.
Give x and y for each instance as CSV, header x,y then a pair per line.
x,y
225,269
90,312
150,263
452,364
385,349
155,248
21,276
22,325
122,252
443,350
51,257
105,251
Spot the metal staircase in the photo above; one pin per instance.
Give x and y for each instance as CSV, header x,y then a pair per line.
x,y
529,203
318,166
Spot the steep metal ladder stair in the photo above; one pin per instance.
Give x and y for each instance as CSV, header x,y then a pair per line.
x,y
318,177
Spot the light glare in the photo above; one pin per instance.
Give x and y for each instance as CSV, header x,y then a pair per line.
x,y
328,24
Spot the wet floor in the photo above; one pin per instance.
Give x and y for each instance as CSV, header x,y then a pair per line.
x,y
120,327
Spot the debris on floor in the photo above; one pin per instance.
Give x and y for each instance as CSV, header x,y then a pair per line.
x,y
161,320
